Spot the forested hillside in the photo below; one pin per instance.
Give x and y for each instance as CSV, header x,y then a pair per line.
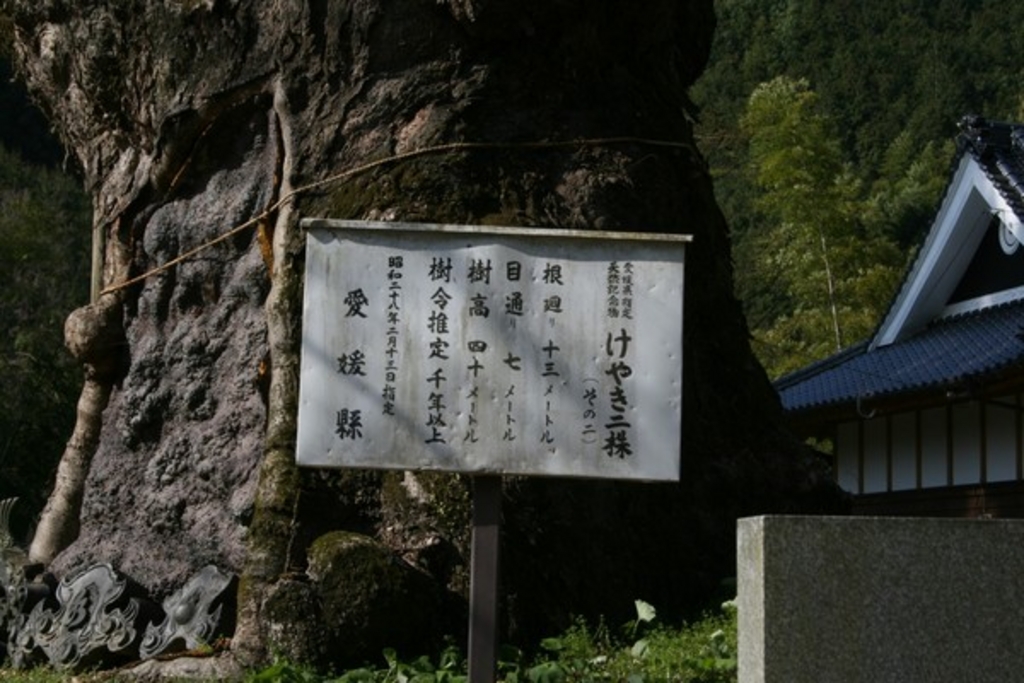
x,y
829,127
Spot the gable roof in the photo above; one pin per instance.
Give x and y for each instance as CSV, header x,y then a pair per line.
x,y
987,182
924,342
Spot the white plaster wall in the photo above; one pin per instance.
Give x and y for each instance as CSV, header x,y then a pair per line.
x,y
876,474
933,447
847,448
966,443
904,452
1001,440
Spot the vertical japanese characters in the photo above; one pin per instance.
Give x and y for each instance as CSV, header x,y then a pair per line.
x,y
393,317
479,277
515,305
439,274
351,363
619,307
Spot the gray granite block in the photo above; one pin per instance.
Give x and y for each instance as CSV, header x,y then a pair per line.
x,y
872,600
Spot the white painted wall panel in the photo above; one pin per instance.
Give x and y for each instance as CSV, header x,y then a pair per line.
x,y
847,448
933,448
1001,444
904,452
876,470
966,444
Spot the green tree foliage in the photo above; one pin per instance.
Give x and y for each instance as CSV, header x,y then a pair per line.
x,y
810,242
44,274
892,78
881,67
905,196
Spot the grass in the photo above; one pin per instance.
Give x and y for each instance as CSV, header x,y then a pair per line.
x,y
640,651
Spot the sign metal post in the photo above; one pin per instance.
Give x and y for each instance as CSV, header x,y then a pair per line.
x,y
484,578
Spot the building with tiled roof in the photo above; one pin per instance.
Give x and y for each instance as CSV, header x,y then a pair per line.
x,y
926,416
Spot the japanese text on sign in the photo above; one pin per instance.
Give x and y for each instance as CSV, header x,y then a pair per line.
x,y
491,350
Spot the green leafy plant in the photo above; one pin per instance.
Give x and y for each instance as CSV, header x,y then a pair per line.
x,y
283,671
701,652
645,614
450,668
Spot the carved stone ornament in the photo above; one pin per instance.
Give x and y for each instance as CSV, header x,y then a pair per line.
x,y
6,540
12,580
193,615
12,598
96,616
99,616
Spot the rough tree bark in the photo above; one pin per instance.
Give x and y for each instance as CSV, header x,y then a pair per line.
x,y
192,117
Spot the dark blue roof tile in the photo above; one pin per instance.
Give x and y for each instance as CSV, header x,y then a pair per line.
x,y
949,352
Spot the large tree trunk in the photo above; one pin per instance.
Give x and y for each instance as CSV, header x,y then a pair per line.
x,y
191,118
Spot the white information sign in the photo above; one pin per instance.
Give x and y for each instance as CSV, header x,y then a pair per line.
x,y
491,350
